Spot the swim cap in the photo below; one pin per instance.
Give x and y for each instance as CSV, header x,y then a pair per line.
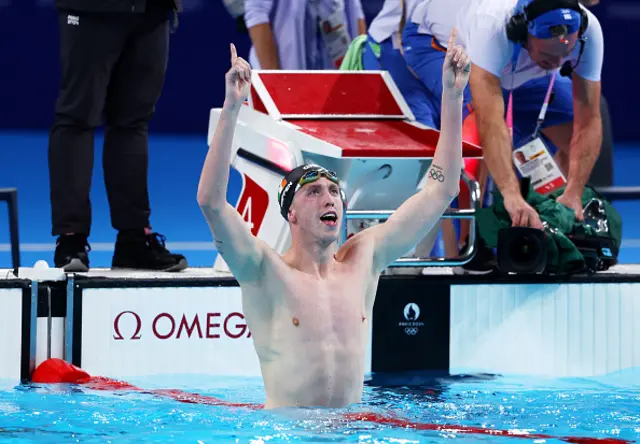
x,y
298,177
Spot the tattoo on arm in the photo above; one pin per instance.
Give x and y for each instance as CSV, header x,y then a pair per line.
x,y
436,173
219,246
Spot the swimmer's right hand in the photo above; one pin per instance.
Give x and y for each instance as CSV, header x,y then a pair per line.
x,y
522,214
237,79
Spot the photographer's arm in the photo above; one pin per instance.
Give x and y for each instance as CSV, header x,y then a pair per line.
x,y
497,145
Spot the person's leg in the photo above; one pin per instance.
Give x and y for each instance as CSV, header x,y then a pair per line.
x,y
135,88
133,92
424,58
384,56
371,55
558,126
89,46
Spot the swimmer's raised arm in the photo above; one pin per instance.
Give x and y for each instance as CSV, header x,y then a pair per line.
x,y
418,215
241,250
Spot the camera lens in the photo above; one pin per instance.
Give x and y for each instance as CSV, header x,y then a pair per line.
x,y
524,250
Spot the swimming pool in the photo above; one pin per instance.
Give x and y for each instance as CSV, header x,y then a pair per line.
x,y
580,408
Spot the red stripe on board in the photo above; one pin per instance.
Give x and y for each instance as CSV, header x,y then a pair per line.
x,y
59,371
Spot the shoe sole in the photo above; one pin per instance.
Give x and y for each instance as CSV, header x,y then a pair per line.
x,y
76,266
182,265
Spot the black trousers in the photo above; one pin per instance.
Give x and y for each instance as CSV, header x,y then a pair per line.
x,y
112,71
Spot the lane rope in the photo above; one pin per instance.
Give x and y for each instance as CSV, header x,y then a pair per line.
x,y
55,371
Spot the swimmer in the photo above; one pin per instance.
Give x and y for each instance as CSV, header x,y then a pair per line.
x,y
309,309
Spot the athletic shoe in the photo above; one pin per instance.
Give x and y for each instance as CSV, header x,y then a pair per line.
x,y
72,253
137,250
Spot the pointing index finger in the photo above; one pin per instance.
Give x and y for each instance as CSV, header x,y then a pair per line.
x,y
452,39
234,54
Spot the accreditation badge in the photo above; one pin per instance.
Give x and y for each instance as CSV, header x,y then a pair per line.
x,y
534,161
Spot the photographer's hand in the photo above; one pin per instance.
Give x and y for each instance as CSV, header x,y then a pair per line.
x,y
522,214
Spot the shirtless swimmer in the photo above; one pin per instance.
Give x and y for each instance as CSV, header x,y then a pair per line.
x,y
309,309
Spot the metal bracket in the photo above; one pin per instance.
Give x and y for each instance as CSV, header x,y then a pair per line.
x,y
466,256
68,330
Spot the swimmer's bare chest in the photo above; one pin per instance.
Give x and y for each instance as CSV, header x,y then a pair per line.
x,y
312,340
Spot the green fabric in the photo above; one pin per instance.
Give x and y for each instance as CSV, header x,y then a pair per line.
x,y
375,47
353,58
564,256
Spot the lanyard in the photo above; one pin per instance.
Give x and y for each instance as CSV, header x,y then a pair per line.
x,y
545,105
541,115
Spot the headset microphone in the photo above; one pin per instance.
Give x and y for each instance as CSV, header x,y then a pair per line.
x,y
566,69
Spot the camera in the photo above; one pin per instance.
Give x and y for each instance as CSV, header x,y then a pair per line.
x,y
522,250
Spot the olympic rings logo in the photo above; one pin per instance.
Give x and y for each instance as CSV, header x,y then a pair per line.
x,y
411,331
436,175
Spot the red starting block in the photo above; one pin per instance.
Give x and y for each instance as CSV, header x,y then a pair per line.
x,y
355,123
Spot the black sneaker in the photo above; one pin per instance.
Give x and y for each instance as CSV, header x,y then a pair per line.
x,y
72,253
139,251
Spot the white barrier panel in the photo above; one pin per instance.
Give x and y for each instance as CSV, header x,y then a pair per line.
x,y
169,330
557,330
49,339
11,300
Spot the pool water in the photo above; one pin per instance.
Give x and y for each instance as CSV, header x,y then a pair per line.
x,y
553,409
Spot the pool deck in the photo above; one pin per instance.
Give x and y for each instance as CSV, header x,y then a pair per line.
x,y
623,272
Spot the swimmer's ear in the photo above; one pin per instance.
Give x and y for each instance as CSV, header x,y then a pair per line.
x,y
292,217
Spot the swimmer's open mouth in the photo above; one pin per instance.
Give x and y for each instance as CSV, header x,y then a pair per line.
x,y
329,218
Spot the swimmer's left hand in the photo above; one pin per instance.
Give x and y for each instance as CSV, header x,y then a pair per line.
x,y
238,80
573,202
456,68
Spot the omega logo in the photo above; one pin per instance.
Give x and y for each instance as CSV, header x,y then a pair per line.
x,y
165,326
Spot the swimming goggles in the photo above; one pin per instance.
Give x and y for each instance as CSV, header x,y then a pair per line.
x,y
313,175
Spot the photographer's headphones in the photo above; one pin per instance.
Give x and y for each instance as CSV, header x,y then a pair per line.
x,y
518,25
